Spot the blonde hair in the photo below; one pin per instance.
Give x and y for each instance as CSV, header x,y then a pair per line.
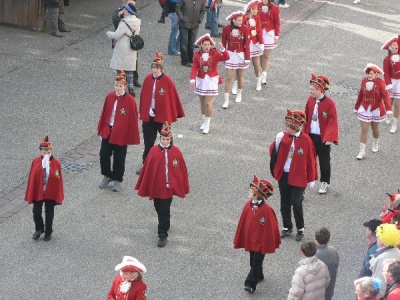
x,y
369,285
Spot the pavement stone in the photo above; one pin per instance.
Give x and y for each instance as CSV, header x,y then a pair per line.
x,y
95,228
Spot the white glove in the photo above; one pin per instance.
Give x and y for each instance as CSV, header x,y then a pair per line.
x,y
109,34
310,184
328,143
389,113
193,82
247,62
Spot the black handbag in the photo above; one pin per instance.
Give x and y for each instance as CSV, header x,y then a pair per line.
x,y
136,41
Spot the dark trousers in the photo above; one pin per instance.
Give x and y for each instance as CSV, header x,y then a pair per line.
x,y
135,73
291,196
119,154
163,209
187,37
256,269
150,130
324,157
37,215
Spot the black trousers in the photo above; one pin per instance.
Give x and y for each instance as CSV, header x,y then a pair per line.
x,y
291,196
150,130
324,157
256,269
119,154
163,209
135,73
187,38
37,215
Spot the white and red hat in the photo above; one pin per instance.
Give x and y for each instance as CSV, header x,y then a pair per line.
x,y
390,42
130,264
234,15
296,118
374,68
250,5
203,38
261,187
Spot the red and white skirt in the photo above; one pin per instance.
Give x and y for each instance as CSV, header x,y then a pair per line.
x,y
370,116
207,86
269,39
236,61
396,89
256,49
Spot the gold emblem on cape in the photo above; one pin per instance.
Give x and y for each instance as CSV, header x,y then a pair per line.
x,y
57,174
123,111
175,162
162,91
300,151
325,114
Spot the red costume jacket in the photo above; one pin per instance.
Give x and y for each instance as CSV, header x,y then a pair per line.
x,y
256,35
257,229
377,97
303,168
201,68
152,181
240,43
394,294
168,106
137,291
125,130
391,69
270,20
54,188
327,119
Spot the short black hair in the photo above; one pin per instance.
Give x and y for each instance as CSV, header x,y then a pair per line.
x,y
309,248
323,236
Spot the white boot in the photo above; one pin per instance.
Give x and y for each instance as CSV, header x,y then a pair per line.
x,y
239,96
388,119
258,86
264,77
226,101
393,129
203,117
362,151
234,87
206,125
375,145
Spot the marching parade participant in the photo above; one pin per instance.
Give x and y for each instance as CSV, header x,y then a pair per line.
x,y
204,76
370,107
271,26
118,127
391,67
323,128
163,176
45,186
235,38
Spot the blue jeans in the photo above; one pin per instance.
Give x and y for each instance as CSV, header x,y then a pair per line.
x,y
187,37
212,20
173,43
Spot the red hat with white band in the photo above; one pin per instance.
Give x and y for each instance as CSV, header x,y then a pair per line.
x,y
203,38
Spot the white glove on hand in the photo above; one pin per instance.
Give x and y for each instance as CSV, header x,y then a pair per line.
x,y
310,184
247,62
193,83
109,34
389,113
328,143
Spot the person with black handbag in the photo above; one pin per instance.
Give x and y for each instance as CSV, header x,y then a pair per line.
x,y
124,58
56,13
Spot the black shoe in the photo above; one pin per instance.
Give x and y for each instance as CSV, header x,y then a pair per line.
x,y
261,278
37,234
249,289
286,232
299,235
217,36
188,64
207,27
136,83
221,25
47,237
162,20
162,242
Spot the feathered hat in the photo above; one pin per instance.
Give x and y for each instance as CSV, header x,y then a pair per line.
x,y
166,130
158,60
321,82
45,144
296,117
261,187
121,77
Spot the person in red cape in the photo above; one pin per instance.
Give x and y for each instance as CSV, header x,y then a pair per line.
x,y
45,186
257,230
163,176
372,102
159,102
118,127
204,76
128,284
295,169
323,128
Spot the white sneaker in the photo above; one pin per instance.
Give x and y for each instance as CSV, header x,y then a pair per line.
x,y
287,5
234,87
323,188
204,122
264,78
356,1
206,128
239,96
258,86
375,145
226,101
361,154
393,129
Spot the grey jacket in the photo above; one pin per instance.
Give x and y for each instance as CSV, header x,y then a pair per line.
x,y
330,257
190,13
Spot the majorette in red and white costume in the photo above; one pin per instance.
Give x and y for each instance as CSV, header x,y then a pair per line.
x,y
270,20
236,39
390,210
205,68
257,230
256,32
134,288
373,99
